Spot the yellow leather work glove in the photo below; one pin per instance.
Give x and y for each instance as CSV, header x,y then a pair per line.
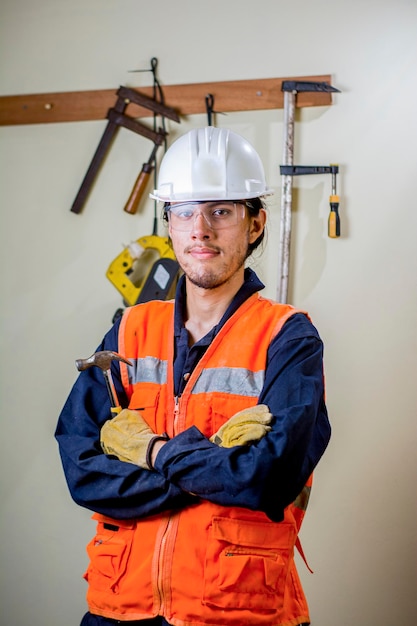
x,y
244,428
129,437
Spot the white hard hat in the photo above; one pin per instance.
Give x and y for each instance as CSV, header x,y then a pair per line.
x,y
210,164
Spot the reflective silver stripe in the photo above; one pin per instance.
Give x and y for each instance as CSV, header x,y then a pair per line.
x,y
234,380
148,370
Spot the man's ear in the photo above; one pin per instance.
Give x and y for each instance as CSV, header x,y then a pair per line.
x,y
257,225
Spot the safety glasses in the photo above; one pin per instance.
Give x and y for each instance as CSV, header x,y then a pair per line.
x,y
217,215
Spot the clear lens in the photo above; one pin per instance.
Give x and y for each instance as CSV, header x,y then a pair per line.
x,y
217,215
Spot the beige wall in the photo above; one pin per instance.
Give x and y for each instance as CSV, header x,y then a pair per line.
x,y
56,303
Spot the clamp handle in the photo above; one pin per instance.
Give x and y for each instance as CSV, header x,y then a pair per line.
x,y
333,227
334,218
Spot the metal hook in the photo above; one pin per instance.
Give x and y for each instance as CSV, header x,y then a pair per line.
x,y
209,108
154,65
157,89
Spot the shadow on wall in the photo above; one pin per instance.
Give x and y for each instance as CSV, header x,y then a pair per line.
x,y
308,238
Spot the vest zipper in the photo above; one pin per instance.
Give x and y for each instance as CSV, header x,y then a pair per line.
x,y
163,562
176,413
165,545
164,556
160,582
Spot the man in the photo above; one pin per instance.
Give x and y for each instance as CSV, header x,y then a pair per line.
x,y
200,485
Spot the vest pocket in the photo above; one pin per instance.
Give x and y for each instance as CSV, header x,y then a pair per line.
x,y
224,406
108,552
247,564
145,399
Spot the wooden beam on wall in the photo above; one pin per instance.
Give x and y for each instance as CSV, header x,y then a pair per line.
x,y
76,106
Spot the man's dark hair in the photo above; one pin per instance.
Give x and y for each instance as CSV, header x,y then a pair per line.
x,y
254,206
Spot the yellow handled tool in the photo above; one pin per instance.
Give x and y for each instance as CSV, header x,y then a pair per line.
x,y
334,218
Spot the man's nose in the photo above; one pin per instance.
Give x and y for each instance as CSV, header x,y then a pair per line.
x,y
201,226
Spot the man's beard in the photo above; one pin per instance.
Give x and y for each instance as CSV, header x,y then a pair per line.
x,y
209,280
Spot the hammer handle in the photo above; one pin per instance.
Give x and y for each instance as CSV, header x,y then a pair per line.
x,y
111,391
139,188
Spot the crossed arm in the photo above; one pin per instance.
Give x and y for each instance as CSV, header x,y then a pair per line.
x,y
265,476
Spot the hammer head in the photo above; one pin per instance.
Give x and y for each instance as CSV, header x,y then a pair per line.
x,y
102,359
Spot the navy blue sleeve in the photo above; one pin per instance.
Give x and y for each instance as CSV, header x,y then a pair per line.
x,y
269,475
96,481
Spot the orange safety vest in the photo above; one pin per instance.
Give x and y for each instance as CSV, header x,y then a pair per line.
x,y
207,564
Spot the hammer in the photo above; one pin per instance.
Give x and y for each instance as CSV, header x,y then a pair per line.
x,y
103,360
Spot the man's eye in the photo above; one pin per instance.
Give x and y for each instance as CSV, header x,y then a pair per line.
x,y
221,212
184,214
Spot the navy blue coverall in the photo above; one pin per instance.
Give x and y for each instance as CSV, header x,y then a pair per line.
x,y
189,463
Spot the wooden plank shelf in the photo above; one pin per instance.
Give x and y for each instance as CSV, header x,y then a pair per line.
x,y
188,99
